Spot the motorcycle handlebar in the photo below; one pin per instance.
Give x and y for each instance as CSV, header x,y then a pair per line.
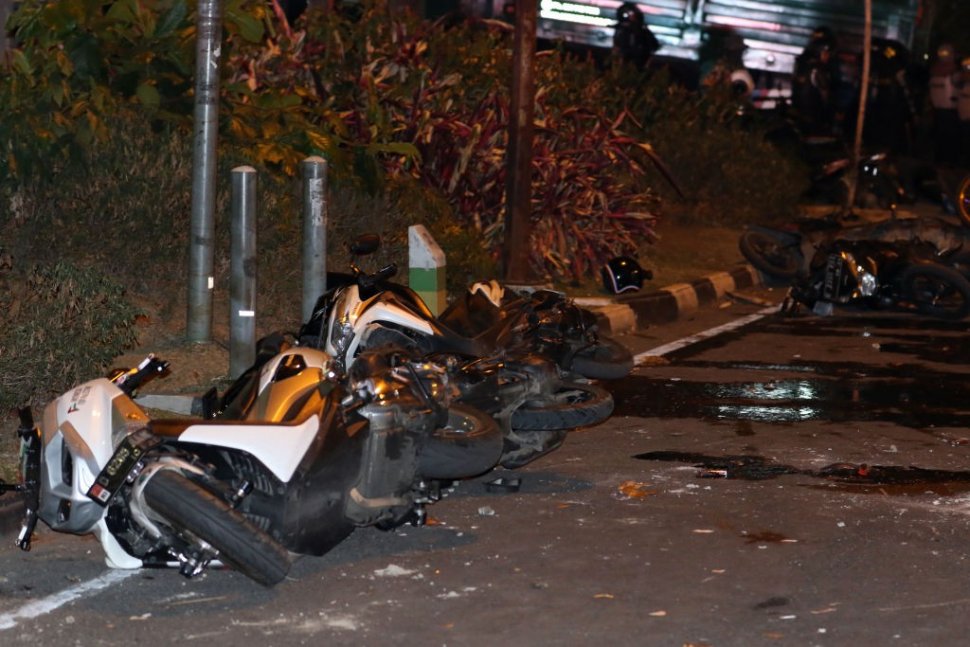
x,y
150,368
370,280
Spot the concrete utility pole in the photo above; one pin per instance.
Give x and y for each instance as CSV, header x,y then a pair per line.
x,y
202,231
518,185
861,116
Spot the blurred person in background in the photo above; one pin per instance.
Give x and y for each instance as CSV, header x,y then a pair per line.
x,y
963,111
633,42
814,85
943,99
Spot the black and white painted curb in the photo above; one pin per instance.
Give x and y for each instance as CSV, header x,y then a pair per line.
x,y
624,314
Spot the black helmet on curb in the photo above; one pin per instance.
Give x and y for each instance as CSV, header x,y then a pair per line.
x,y
623,273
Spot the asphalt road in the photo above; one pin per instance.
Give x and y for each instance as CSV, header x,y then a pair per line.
x,y
649,529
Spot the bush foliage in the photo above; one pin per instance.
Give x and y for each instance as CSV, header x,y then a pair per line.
x,y
52,333
96,140
389,99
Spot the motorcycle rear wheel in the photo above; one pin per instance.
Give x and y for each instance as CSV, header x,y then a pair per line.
x,y
769,254
188,507
605,360
470,445
572,405
936,290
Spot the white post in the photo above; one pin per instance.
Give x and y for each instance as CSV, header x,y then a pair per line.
x,y
426,263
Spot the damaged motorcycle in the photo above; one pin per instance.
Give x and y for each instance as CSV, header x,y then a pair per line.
x,y
880,275
513,369
321,455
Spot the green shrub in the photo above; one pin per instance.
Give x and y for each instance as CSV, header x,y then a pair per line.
x,y
68,323
728,170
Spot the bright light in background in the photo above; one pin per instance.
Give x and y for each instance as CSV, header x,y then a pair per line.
x,y
583,14
733,21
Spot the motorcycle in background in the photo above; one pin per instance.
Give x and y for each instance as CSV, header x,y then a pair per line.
x,y
782,254
882,275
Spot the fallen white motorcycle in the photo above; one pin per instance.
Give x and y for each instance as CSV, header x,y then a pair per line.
x,y
323,457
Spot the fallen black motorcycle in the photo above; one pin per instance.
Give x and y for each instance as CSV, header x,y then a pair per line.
x,y
880,275
783,253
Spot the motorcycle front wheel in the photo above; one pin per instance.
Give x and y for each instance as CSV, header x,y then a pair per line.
x,y
469,445
770,254
604,360
963,200
936,290
572,405
191,509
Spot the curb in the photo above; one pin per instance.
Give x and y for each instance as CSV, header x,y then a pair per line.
x,y
638,311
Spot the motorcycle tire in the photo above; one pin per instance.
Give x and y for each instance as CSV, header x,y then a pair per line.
x,y
573,405
963,200
769,254
605,360
189,507
936,290
470,445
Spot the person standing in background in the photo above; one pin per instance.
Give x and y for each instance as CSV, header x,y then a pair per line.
x,y
633,41
963,112
943,99
815,79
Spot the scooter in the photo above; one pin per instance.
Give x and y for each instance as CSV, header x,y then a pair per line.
x,y
95,466
330,455
880,275
501,371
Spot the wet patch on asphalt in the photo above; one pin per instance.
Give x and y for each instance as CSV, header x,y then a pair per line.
x,y
917,401
850,477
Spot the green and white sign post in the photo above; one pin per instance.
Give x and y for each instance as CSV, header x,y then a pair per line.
x,y
426,264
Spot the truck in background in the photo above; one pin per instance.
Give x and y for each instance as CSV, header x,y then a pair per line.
x,y
774,31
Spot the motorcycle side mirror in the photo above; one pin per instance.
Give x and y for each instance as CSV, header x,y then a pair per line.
x,y
365,244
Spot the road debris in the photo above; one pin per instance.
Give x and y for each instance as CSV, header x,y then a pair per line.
x,y
633,490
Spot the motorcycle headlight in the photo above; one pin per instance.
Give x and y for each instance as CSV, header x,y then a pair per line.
x,y
867,283
341,336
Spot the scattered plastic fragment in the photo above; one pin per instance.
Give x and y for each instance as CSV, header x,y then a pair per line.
x,y
486,511
659,613
393,570
713,474
603,596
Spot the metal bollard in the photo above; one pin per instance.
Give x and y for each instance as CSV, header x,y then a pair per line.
x,y
242,267
314,232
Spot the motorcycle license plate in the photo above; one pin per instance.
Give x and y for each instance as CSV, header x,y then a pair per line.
x,y
832,288
123,461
